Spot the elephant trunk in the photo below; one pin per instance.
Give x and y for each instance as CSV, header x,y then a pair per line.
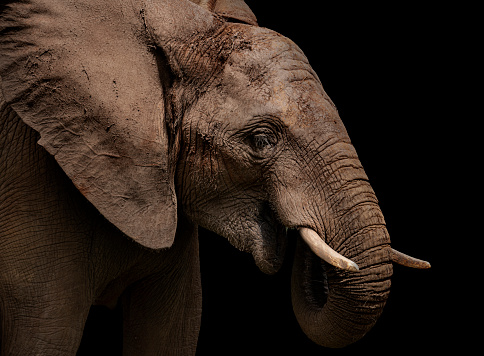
x,y
337,305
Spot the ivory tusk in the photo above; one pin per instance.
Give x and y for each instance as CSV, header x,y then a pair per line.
x,y
407,261
322,250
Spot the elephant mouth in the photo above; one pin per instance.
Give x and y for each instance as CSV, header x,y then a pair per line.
x,y
314,276
269,250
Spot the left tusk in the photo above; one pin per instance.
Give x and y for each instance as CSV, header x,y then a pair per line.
x,y
407,261
322,250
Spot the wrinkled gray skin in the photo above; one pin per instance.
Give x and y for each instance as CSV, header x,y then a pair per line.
x,y
255,146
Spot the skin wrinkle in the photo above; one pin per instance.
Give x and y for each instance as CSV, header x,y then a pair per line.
x,y
352,181
335,200
344,227
331,171
357,298
351,242
210,52
319,161
231,180
335,191
318,214
372,264
317,182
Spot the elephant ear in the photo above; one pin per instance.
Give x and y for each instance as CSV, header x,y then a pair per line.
x,y
230,9
82,74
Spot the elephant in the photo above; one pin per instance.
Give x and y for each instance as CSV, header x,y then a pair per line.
x,y
126,125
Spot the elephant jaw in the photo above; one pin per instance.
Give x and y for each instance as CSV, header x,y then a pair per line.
x,y
265,239
269,250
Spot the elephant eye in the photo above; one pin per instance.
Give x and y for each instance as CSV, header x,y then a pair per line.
x,y
262,143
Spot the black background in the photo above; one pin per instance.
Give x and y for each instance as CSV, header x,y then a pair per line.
x,y
389,69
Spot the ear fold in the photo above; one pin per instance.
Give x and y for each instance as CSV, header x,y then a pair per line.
x,y
81,74
230,9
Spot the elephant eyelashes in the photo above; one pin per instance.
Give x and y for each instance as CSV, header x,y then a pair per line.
x,y
262,143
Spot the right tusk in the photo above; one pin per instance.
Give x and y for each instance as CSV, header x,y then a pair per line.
x,y
321,249
407,261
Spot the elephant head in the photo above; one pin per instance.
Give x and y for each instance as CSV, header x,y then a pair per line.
x,y
153,108
264,150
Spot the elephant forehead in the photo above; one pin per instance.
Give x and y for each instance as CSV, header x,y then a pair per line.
x,y
273,71
270,75
268,54
291,92
262,45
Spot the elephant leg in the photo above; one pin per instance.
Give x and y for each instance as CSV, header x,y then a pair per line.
x,y
45,274
45,292
162,313
35,326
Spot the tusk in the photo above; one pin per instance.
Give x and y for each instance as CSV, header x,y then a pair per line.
x,y
321,249
407,261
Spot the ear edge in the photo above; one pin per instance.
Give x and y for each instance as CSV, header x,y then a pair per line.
x,y
230,10
149,220
149,234
235,10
